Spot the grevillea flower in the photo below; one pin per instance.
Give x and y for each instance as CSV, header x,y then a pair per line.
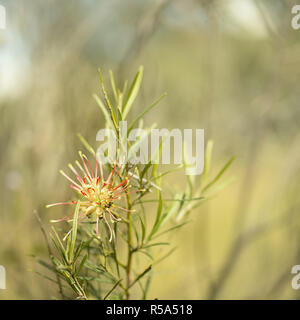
x,y
99,194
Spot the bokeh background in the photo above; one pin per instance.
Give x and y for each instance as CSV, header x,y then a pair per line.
x,y
231,67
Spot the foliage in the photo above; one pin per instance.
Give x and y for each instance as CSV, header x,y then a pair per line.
x,y
87,265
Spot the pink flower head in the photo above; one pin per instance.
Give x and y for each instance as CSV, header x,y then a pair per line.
x,y
99,195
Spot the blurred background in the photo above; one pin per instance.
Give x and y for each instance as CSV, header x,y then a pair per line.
x,y
228,66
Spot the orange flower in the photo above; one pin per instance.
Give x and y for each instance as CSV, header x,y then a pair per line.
x,y
99,195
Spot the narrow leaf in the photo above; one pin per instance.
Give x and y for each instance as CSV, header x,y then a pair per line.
x,y
140,276
104,111
133,92
219,175
86,144
112,289
74,232
145,111
113,85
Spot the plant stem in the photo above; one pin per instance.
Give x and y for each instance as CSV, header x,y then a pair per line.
x,y
80,289
49,252
129,244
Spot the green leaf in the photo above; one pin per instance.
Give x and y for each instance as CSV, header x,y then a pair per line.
x,y
112,289
109,105
207,161
219,186
156,244
81,264
143,229
141,276
158,214
124,87
219,175
145,111
96,268
120,117
100,270
73,233
113,85
104,111
170,229
56,262
87,243
78,250
86,144
133,92
58,239
58,244
157,155
137,236
46,265
169,171
177,200
147,286
146,168
139,141
147,254
115,255
165,256
46,277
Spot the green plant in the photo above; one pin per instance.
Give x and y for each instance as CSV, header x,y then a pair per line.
x,y
100,257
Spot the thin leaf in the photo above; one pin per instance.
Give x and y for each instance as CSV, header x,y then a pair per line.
x,y
46,277
147,254
86,144
146,168
179,200
143,229
81,264
165,256
74,233
158,214
170,229
145,111
169,171
112,289
104,111
58,244
46,265
133,92
112,113
157,244
219,175
147,286
140,276
219,186
78,250
113,85
207,161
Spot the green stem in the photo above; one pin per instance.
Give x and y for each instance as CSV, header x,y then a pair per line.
x,y
80,291
129,245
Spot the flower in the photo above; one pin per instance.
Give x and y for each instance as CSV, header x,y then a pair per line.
x,y
99,195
